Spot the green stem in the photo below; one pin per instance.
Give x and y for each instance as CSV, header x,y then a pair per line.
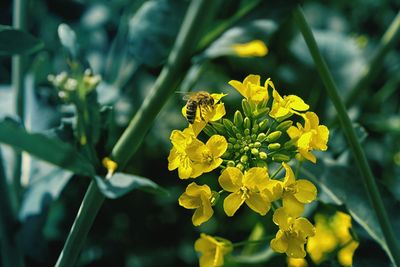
x,y
371,71
17,81
10,253
364,168
83,222
198,14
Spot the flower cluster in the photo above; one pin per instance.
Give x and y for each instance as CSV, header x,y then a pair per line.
x,y
251,150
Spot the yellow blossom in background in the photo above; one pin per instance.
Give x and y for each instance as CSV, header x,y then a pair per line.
x,y
251,88
212,249
206,157
256,48
296,193
296,262
178,158
285,107
310,137
332,233
247,188
198,197
292,235
209,114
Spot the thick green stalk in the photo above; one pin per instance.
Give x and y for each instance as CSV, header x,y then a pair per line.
x,y
361,160
17,80
372,69
198,14
10,254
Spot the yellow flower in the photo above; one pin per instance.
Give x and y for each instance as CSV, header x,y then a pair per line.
x,y
212,249
312,137
208,114
292,235
251,88
332,233
296,262
198,197
206,157
296,193
256,48
248,188
178,158
345,255
285,107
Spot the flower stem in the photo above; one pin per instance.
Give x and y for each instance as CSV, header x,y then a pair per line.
x,y
198,15
364,168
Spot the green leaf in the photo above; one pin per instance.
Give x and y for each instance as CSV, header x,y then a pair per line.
x,y
153,29
45,148
121,184
340,184
13,41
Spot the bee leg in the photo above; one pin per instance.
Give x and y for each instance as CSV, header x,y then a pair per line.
x,y
201,114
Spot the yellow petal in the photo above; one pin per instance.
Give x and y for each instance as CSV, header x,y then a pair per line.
x,y
279,243
289,175
189,202
185,168
293,132
274,190
297,103
306,191
258,203
295,248
308,155
252,79
304,225
345,255
179,140
173,159
292,205
256,48
217,145
196,149
218,112
240,87
280,218
231,179
305,140
204,212
205,243
256,178
232,203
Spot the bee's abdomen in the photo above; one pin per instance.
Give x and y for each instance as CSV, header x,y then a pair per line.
x,y
191,109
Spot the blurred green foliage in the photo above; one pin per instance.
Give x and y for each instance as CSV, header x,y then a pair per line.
x,y
127,43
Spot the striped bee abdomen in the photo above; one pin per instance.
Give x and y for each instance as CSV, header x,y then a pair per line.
x,y
191,109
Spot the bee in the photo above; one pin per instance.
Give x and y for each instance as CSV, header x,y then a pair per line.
x,y
201,100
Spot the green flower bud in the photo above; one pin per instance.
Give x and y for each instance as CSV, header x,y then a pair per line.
x,y
237,146
247,132
290,144
210,131
260,113
227,154
261,137
235,129
247,123
255,128
246,108
246,148
257,144
272,137
240,166
244,159
230,163
284,125
261,163
255,151
253,137
239,136
263,155
274,146
263,125
230,146
238,119
219,127
280,157
228,126
232,140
